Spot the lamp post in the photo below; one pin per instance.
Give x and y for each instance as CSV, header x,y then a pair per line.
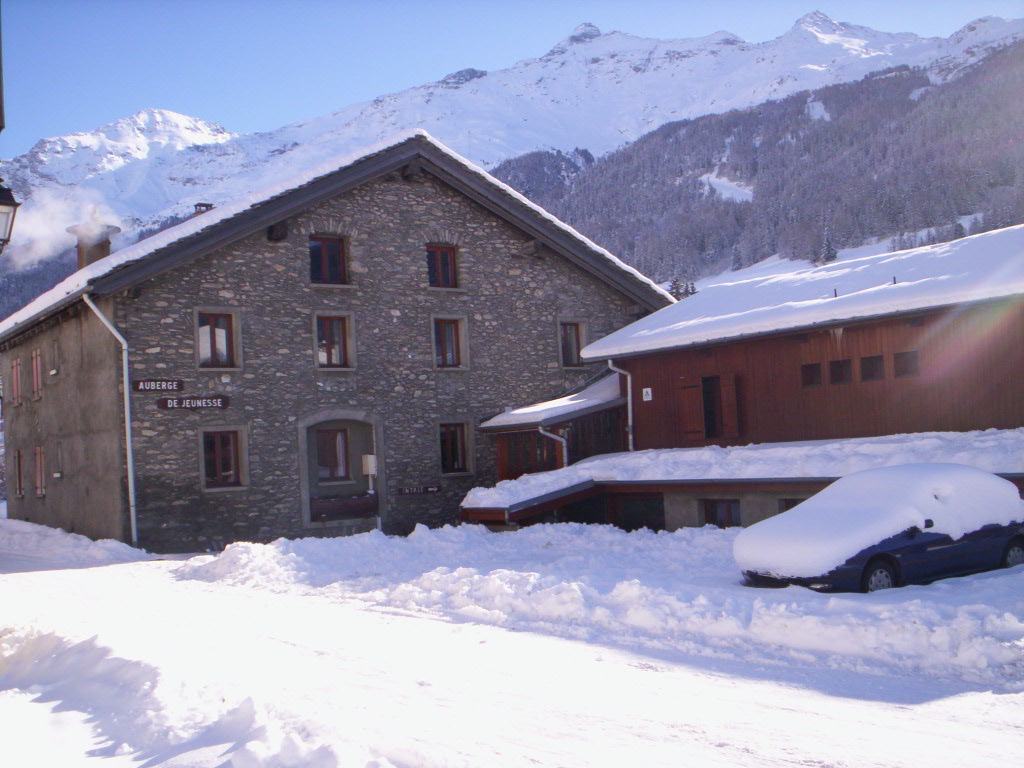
x,y
8,208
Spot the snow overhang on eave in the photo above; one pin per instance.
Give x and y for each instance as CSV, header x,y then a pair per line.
x,y
551,421
797,329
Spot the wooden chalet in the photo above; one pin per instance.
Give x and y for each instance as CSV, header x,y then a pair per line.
x,y
927,340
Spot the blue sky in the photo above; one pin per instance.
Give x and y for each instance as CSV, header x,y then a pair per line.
x,y
250,65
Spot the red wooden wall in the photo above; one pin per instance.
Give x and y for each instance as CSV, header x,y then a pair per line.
x,y
971,376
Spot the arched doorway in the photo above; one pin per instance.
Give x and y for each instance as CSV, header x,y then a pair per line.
x,y
340,469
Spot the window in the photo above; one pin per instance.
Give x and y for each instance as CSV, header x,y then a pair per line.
x,y
905,364
327,261
810,375
570,337
37,373
787,504
216,340
840,371
40,471
221,459
19,474
448,339
332,455
332,345
16,381
872,368
711,394
441,270
724,513
453,448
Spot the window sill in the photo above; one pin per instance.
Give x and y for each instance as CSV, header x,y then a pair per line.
x,y
332,285
205,369
225,488
442,289
451,368
335,483
333,369
455,475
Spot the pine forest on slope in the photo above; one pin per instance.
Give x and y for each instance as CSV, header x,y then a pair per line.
x,y
876,159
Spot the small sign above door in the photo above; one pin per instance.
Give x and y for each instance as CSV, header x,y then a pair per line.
x,y
158,385
416,490
191,403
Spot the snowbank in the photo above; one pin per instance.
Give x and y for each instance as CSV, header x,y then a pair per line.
x,y
678,591
25,546
991,450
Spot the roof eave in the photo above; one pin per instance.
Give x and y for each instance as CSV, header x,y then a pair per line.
x,y
591,358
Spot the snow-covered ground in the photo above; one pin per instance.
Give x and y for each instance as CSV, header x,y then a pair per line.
x,y
557,645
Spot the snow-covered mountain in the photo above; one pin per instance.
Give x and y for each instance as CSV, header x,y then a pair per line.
x,y
593,90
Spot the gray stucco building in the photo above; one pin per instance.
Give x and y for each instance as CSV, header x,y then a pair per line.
x,y
312,363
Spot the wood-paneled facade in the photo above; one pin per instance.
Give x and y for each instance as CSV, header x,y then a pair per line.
x,y
954,369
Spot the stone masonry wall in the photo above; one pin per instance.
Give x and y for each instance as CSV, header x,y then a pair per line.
x,y
510,304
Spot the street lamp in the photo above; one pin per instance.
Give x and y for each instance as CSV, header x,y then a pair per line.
x,y
8,208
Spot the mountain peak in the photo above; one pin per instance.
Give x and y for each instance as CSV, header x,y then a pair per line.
x,y
817,22
584,33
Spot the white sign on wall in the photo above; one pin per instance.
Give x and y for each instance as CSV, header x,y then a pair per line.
x,y
648,394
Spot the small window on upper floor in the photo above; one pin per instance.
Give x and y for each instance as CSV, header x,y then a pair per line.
x,y
840,371
449,343
333,341
810,375
14,388
37,373
216,340
442,267
872,368
328,261
570,341
905,364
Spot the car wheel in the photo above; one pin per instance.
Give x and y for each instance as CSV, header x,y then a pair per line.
x,y
1014,554
878,575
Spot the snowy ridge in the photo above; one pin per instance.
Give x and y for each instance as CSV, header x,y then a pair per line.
x,y
757,301
593,90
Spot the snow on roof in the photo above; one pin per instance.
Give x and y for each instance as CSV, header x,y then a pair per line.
x,y
746,302
80,282
992,450
865,508
602,392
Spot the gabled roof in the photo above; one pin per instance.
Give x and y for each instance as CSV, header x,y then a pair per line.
x,y
413,151
766,299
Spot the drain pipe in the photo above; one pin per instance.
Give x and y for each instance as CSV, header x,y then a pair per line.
x,y
629,402
126,386
559,438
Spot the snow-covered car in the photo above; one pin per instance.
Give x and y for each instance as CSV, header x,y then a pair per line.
x,y
880,528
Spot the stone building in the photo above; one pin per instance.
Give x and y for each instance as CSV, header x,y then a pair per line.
x,y
310,361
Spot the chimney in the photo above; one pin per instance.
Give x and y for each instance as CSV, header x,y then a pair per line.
x,y
93,241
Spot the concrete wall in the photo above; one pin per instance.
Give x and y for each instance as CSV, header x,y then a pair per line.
x,y
509,302
76,419
685,510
